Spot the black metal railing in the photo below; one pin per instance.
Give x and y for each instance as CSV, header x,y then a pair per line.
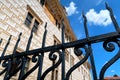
x,y
7,61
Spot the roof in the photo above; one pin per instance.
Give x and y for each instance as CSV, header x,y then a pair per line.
x,y
112,78
59,13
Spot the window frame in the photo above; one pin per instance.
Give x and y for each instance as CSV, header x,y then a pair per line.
x,y
35,26
72,59
28,21
67,55
35,18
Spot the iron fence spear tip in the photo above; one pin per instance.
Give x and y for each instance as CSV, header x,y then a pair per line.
x,y
1,40
10,36
45,25
106,4
20,33
108,7
62,19
82,12
85,19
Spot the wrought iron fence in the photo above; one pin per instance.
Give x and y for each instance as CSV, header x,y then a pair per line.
x,y
7,61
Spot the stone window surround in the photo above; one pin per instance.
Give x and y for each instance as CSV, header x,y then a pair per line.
x,y
35,17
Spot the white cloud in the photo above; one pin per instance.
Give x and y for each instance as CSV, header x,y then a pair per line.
x,y
99,2
71,9
112,71
102,18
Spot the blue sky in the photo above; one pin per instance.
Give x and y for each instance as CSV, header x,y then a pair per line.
x,y
99,22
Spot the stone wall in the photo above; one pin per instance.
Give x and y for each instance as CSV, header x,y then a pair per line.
x,y
12,17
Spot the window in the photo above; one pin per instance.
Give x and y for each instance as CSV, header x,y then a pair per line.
x,y
35,26
80,57
70,38
27,65
66,37
72,60
66,55
28,20
58,24
38,0
42,2
56,41
1,40
54,75
14,64
32,19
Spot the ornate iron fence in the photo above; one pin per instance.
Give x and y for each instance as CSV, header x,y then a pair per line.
x,y
7,61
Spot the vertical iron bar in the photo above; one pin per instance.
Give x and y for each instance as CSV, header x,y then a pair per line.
x,y
113,18
90,49
42,54
6,46
63,52
8,70
92,63
25,57
7,75
1,40
53,71
85,26
3,53
42,2
14,51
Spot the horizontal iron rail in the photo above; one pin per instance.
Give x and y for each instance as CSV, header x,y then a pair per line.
x,y
78,43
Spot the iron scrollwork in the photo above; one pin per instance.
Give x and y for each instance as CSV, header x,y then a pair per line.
x,y
35,59
56,53
5,62
109,45
9,63
53,58
78,53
